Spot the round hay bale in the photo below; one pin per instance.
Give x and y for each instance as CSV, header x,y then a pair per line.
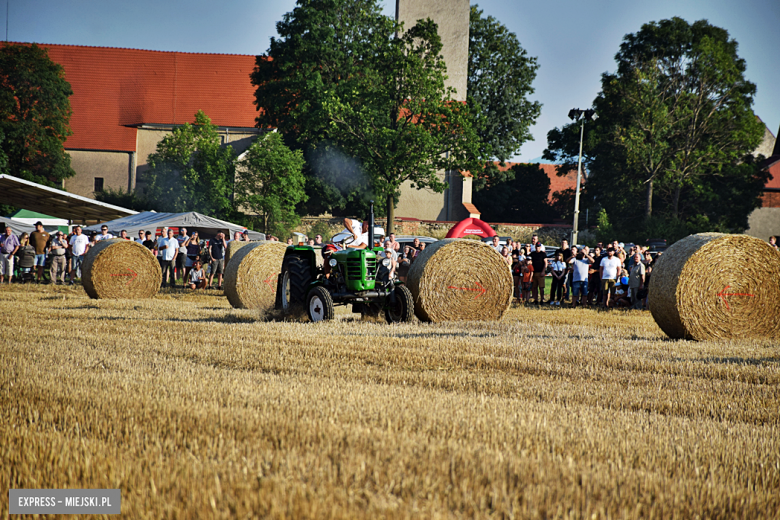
x,y
716,286
232,247
250,277
115,269
458,279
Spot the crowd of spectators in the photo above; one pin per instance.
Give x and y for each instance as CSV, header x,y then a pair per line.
x,y
614,275
611,275
182,257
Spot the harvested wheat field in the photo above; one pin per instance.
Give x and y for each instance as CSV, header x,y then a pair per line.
x,y
197,410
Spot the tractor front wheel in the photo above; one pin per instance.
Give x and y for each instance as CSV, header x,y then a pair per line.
x,y
319,304
403,309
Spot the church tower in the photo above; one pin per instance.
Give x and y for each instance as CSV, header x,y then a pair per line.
x,y
452,19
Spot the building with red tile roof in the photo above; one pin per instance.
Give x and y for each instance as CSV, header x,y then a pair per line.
x,y
117,90
126,100
557,183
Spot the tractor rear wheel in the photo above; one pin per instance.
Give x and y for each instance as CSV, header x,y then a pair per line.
x,y
293,283
319,304
403,309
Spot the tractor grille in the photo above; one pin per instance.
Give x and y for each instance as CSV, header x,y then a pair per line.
x,y
354,269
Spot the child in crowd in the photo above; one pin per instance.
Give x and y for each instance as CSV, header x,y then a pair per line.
x,y
528,273
197,276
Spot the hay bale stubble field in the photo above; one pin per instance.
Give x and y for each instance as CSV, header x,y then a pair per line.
x,y
198,410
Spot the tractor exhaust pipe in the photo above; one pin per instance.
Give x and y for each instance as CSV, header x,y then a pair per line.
x,y
371,226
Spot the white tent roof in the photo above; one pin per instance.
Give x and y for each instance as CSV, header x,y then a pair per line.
x,y
17,227
152,221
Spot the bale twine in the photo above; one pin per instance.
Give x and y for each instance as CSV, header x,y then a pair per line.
x,y
251,275
232,247
716,286
458,279
115,269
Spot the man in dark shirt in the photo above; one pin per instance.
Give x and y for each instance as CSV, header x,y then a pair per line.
x,y
539,263
594,281
149,243
564,250
217,246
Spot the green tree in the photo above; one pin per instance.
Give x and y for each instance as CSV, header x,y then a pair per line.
x,y
343,76
523,199
190,171
320,43
270,183
675,122
500,74
400,120
34,114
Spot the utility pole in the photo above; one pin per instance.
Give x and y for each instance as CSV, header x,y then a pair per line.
x,y
575,114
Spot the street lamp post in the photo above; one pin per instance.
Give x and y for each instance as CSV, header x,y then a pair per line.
x,y
575,114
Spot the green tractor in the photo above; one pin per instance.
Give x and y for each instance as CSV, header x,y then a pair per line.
x,y
358,277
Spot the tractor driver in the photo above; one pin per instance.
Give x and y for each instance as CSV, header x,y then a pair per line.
x,y
359,233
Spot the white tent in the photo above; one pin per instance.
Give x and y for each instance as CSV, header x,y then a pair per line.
x,y
206,226
17,227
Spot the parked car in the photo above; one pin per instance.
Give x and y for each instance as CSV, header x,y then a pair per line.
x,y
657,244
408,240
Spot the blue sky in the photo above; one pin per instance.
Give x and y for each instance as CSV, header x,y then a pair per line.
x,y
575,41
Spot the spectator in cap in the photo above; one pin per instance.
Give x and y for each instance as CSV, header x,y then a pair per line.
x,y
610,270
39,239
59,264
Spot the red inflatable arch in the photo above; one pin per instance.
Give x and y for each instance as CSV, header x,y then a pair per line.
x,y
471,226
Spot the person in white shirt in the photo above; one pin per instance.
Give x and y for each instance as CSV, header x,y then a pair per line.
x,y
610,271
359,233
158,240
141,236
169,249
392,255
196,277
580,265
496,245
389,247
558,279
79,245
104,234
